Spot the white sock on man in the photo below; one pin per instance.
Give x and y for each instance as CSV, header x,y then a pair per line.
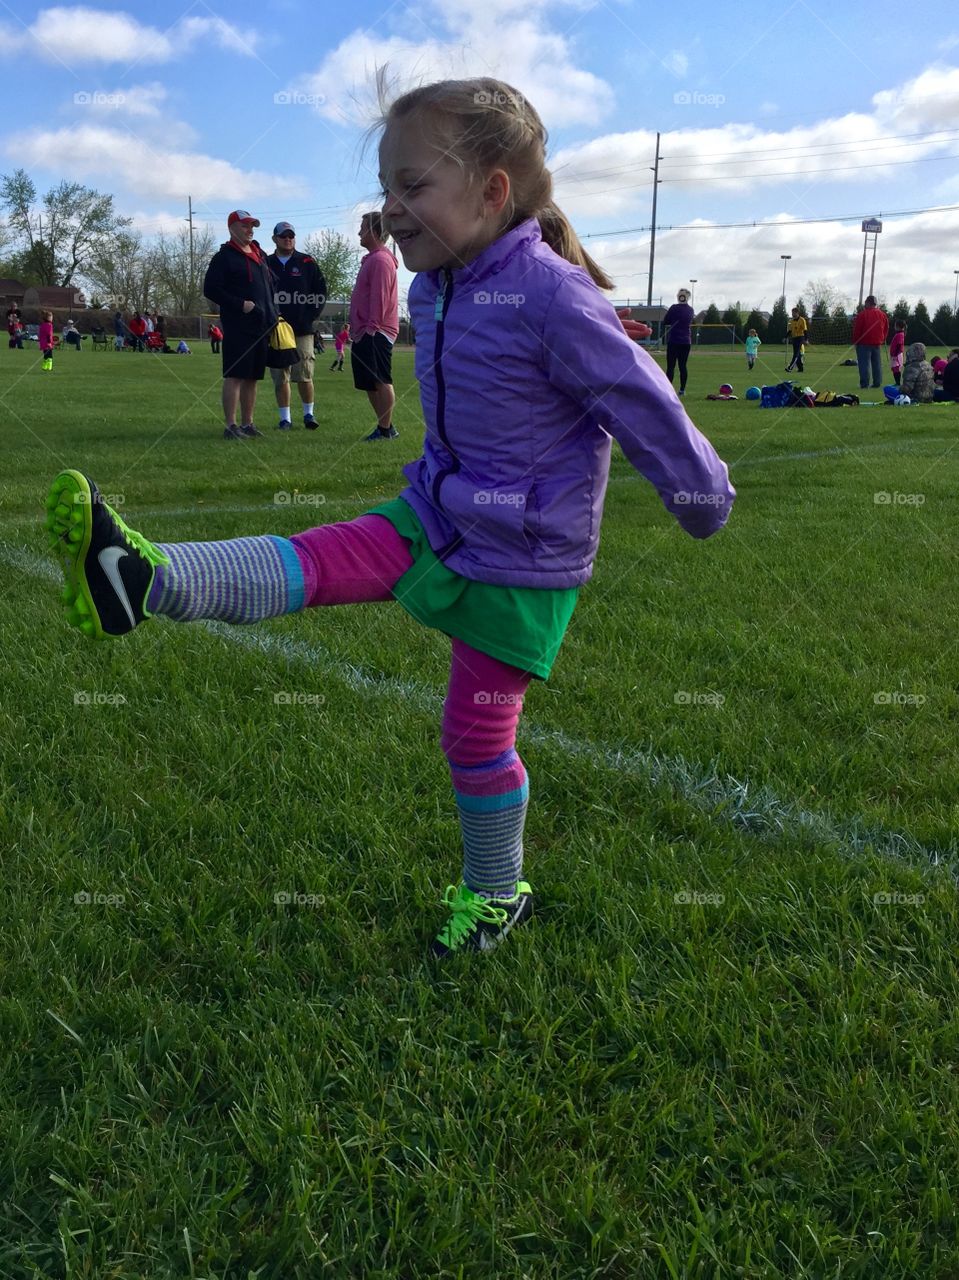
x,y
285,415
308,409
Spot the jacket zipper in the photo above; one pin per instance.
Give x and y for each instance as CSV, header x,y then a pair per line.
x,y
440,308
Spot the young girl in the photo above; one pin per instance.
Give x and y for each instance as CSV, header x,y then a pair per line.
x,y
897,351
753,343
340,341
45,340
525,375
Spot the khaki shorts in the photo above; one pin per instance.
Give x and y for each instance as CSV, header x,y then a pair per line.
x,y
302,371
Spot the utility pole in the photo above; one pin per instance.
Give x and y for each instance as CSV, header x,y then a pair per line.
x,y
652,237
189,205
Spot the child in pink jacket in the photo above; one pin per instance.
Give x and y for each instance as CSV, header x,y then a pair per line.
x,y
45,340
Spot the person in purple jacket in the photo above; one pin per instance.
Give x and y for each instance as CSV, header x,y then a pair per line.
x,y
526,377
677,324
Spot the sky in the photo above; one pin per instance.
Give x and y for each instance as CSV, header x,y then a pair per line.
x,y
776,114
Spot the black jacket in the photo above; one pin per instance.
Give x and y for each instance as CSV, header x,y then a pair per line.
x,y
299,290
234,277
950,379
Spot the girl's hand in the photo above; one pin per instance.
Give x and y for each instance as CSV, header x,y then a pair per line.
x,y
248,307
634,328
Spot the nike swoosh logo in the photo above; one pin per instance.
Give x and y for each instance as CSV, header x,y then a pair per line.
x,y
487,943
109,559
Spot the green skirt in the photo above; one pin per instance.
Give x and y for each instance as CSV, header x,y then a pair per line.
x,y
523,626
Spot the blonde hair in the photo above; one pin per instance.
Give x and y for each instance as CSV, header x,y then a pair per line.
x,y
482,125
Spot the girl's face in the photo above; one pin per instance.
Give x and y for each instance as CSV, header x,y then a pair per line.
x,y
437,218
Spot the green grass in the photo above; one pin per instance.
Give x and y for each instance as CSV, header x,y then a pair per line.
x,y
716,1052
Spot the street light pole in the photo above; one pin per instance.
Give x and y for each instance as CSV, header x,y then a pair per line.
x,y
955,301
693,295
785,257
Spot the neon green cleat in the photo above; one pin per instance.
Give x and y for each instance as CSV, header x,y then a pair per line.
x,y
109,568
478,923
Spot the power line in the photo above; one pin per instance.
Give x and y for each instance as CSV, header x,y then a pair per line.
x,y
793,222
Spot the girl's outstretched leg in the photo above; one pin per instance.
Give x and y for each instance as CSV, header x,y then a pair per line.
x,y
116,578
482,710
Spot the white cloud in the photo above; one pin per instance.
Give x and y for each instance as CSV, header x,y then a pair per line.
x,y
94,153
676,62
506,39
78,35
142,100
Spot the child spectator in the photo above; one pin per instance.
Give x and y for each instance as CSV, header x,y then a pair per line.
x,y
897,351
917,380
753,343
45,340
340,341
182,349
216,337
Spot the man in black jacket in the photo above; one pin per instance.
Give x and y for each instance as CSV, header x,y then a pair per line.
x,y
238,280
300,295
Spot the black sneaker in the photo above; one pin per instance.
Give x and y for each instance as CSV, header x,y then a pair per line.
x,y
284,424
109,568
249,430
478,923
310,422
232,433
379,434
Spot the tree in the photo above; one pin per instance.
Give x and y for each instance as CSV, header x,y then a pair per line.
x,y
123,272
824,297
919,326
178,274
337,259
899,312
756,320
942,326
60,241
840,328
711,316
732,317
778,321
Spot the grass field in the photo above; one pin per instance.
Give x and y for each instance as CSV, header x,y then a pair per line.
x,y
727,1045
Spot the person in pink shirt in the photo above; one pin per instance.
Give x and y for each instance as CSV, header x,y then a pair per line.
x,y
340,341
45,340
897,351
374,324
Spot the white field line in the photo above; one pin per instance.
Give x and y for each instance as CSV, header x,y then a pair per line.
x,y
757,810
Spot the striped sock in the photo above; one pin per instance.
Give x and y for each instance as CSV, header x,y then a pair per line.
x,y
492,801
243,580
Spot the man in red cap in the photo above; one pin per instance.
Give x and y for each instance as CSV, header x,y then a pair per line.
x,y
238,280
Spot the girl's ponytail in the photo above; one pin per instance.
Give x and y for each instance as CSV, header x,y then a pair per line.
x,y
562,239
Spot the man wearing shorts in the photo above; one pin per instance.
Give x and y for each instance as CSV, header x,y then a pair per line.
x,y
238,280
374,325
300,295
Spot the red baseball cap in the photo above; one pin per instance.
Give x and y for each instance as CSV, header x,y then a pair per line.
x,y
241,215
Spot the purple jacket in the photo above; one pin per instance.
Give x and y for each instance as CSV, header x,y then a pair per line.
x,y
525,376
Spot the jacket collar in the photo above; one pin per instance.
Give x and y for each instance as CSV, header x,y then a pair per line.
x,y
256,256
495,256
